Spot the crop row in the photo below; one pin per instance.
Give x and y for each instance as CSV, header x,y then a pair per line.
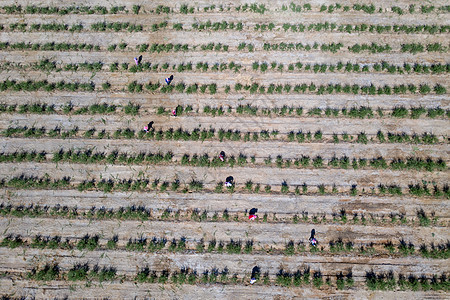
x,y
133,109
387,281
91,243
380,281
315,27
38,108
347,67
31,85
125,185
82,272
349,28
135,87
33,9
367,8
353,112
48,66
332,47
202,135
224,25
88,156
196,135
254,7
356,48
43,27
143,213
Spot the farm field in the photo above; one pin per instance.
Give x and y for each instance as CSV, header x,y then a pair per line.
x,y
333,116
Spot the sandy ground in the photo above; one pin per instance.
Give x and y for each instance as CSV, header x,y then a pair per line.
x,y
274,233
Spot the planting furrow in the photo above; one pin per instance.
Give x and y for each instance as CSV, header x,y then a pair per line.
x,y
127,264
121,80
254,124
282,206
343,179
260,150
151,101
262,234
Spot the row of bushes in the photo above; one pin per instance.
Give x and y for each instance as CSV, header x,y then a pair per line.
x,y
367,8
91,243
30,86
203,66
88,156
332,47
46,65
43,27
135,87
387,281
125,185
78,272
288,88
116,26
38,108
374,281
326,26
202,135
33,9
185,9
349,28
349,67
353,112
144,213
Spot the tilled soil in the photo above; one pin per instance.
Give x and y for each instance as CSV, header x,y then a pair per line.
x,y
279,228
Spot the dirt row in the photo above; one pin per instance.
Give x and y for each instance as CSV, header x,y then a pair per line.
x,y
149,102
55,289
343,179
111,123
260,150
119,81
310,57
284,206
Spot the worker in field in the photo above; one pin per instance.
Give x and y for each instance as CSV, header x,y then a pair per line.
x,y
256,272
252,214
138,60
229,181
169,79
222,155
312,239
149,127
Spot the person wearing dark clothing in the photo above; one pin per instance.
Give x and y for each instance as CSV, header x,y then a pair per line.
x,y
149,127
229,181
312,239
256,272
169,80
222,155
252,214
